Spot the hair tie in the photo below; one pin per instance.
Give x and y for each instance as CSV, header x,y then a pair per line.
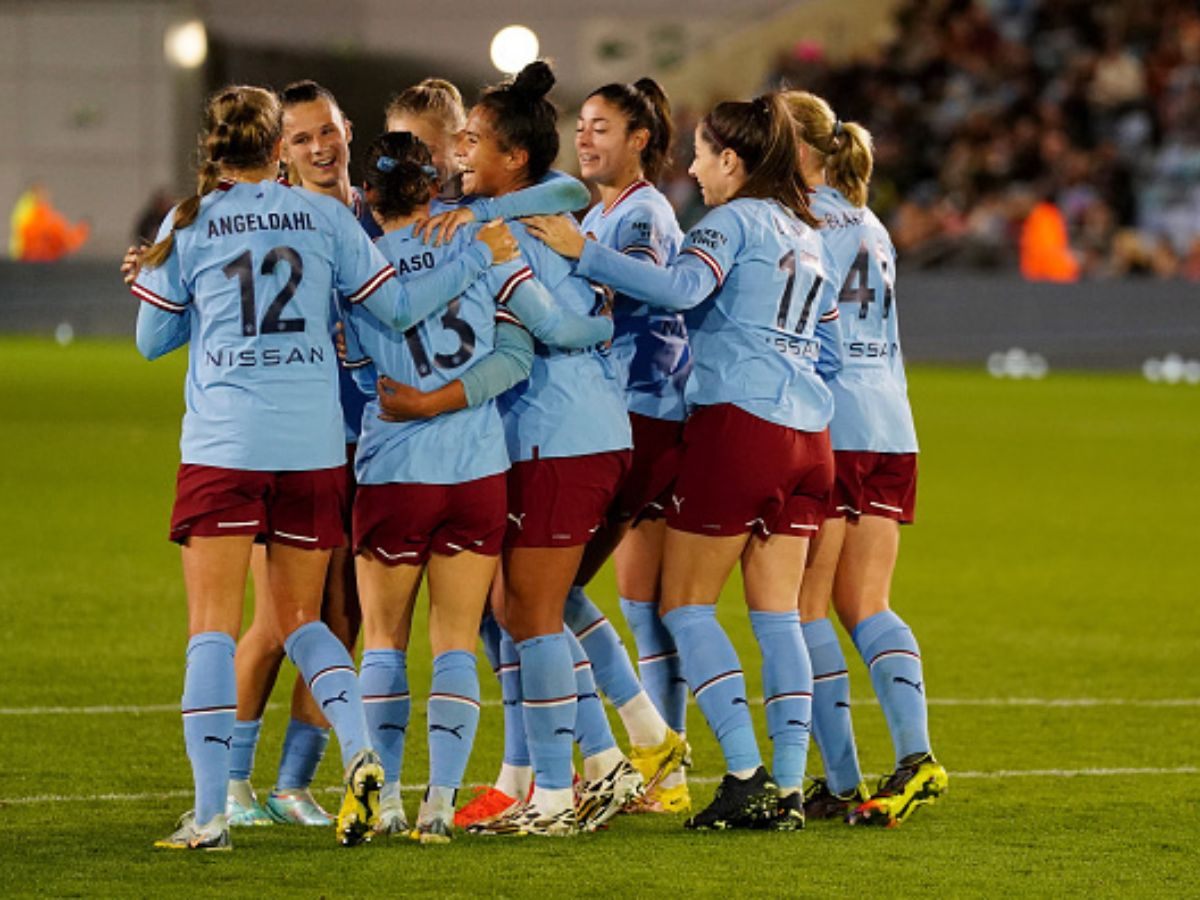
x,y
430,171
837,127
385,164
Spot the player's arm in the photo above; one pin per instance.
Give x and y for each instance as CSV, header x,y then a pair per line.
x,y
522,295
164,321
352,355
508,364
557,192
829,332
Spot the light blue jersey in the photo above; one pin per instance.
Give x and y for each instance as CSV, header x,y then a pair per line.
x,y
573,403
253,276
449,449
870,393
762,309
353,397
650,346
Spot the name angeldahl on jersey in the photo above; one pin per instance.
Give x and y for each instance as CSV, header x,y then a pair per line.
x,y
241,223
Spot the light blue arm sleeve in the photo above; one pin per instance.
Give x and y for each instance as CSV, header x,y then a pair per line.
x,y
685,283
357,362
509,363
159,331
829,332
400,305
556,193
553,325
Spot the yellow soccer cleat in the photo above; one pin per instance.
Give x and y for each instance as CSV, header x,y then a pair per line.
x,y
656,763
918,780
359,813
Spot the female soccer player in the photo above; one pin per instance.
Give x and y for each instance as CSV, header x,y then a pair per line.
x,y
568,437
754,274
875,448
623,139
244,271
433,490
316,150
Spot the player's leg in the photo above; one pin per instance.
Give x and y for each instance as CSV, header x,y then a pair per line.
x,y
638,564
892,656
214,574
458,588
772,571
259,654
841,789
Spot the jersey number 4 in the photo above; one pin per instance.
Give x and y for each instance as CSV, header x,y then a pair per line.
x,y
273,322
856,288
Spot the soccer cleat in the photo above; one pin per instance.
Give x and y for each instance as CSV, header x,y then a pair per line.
x,y
296,806
528,818
360,807
190,836
242,808
656,763
822,803
392,819
435,819
739,803
599,800
789,813
918,780
487,803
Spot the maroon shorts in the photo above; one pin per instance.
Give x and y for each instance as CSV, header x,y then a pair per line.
x,y
404,523
351,489
741,473
560,502
300,509
875,484
657,448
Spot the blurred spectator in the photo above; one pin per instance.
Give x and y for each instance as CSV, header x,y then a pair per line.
x,y
151,217
39,232
1045,252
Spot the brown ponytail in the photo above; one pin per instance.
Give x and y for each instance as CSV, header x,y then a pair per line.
x,y
761,133
242,126
844,148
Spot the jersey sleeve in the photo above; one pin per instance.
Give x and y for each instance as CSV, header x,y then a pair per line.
x,y
557,192
358,361
828,328
163,323
641,233
716,241
508,364
522,300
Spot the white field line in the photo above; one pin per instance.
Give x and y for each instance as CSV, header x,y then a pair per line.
x,y
1047,702
999,773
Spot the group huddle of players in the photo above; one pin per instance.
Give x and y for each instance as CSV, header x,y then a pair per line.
x,y
441,374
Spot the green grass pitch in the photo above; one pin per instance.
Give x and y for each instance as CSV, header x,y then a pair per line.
x,y
1054,562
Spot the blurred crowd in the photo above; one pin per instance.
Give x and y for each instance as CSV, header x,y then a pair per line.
x,y
999,124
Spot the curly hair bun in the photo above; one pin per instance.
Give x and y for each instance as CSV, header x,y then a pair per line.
x,y
534,81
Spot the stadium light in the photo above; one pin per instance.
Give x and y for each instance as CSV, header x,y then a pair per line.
x,y
186,44
513,48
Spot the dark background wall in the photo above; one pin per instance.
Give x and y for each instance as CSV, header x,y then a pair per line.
x,y
945,317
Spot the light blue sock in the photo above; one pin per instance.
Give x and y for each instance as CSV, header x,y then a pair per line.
x,y
209,708
787,693
516,745
490,636
329,673
453,717
890,651
611,666
548,688
303,749
383,680
658,662
832,726
714,673
592,731
245,741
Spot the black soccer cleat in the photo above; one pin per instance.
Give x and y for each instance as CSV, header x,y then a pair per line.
x,y
739,803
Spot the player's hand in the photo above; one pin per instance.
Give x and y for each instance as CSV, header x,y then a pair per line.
x,y
399,402
339,340
131,264
439,229
560,233
499,240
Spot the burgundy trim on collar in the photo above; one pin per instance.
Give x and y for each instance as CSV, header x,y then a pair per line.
x,y
636,186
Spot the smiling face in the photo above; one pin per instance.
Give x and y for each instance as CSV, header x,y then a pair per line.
x,y
316,139
487,169
720,173
609,154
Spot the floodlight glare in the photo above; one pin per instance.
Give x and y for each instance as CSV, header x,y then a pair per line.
x,y
513,48
186,44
